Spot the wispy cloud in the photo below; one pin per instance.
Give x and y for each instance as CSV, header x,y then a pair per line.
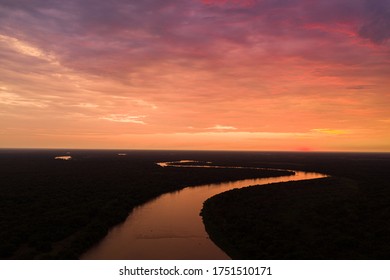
x,y
329,131
86,105
12,99
124,118
222,127
26,48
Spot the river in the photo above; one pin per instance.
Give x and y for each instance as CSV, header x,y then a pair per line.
x,y
169,227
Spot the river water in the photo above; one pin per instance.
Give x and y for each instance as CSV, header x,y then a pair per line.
x,y
169,227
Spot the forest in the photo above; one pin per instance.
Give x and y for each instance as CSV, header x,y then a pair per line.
x,y
57,209
345,216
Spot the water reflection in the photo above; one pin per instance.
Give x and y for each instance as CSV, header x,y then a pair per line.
x,y
63,157
170,227
178,163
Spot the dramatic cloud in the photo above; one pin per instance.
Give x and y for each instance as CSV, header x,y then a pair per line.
x,y
93,69
376,25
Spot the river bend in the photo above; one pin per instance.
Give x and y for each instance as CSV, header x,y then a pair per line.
x,y
170,227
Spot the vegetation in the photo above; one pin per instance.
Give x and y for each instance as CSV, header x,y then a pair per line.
x,y
346,216
57,209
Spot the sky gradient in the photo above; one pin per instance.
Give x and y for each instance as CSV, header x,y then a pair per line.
x,y
296,75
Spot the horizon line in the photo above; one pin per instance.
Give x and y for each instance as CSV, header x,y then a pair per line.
x,y
194,150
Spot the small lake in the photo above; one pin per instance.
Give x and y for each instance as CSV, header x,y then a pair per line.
x,y
170,227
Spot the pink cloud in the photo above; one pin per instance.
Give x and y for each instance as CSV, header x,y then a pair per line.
x,y
243,3
275,66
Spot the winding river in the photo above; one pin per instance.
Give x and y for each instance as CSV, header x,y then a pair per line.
x,y
169,227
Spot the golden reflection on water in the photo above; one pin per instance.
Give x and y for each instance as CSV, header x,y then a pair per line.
x,y
63,157
170,226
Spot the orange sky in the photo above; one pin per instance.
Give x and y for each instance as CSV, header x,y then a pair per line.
x,y
226,75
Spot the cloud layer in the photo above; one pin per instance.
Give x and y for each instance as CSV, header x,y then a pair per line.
x,y
197,67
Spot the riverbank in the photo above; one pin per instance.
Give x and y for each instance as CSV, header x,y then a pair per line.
x,y
170,227
312,219
57,209
342,217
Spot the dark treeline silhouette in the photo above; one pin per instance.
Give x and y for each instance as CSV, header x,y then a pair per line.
x,y
57,209
346,216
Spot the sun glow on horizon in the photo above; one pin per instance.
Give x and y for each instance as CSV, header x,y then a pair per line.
x,y
199,75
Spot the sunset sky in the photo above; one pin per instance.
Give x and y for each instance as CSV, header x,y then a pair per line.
x,y
299,75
